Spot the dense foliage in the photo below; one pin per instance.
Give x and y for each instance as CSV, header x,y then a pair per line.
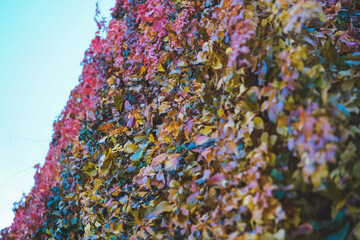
x,y
231,119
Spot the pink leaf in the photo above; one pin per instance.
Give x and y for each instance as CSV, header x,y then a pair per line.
x,y
159,8
200,140
191,200
159,25
189,126
128,106
217,178
158,160
131,122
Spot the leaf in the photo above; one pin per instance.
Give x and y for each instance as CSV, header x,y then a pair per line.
x,y
200,140
48,232
131,122
340,234
189,126
163,206
191,200
337,206
329,225
148,155
137,156
151,138
160,68
356,170
164,107
159,25
280,235
206,130
105,162
90,169
90,116
118,101
88,231
353,63
158,160
215,63
205,177
97,184
217,179
343,109
129,147
303,229
221,112
191,146
357,231
172,162
259,123
228,50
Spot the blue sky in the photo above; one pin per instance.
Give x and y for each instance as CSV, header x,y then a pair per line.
x,y
42,43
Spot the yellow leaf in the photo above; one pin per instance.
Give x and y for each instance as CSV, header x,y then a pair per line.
x,y
148,183
164,206
167,139
164,107
337,206
160,68
110,80
127,208
282,44
151,138
172,162
88,231
48,232
228,50
282,130
273,139
97,184
280,235
216,64
259,123
282,121
357,231
264,22
186,89
136,218
221,112
206,130
264,137
140,138
148,155
129,147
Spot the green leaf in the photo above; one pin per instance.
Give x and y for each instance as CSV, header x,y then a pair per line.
x,y
341,234
356,170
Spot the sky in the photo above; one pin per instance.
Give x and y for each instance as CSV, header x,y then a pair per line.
x,y
42,43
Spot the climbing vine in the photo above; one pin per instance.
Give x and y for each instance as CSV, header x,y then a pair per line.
x,y
231,119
